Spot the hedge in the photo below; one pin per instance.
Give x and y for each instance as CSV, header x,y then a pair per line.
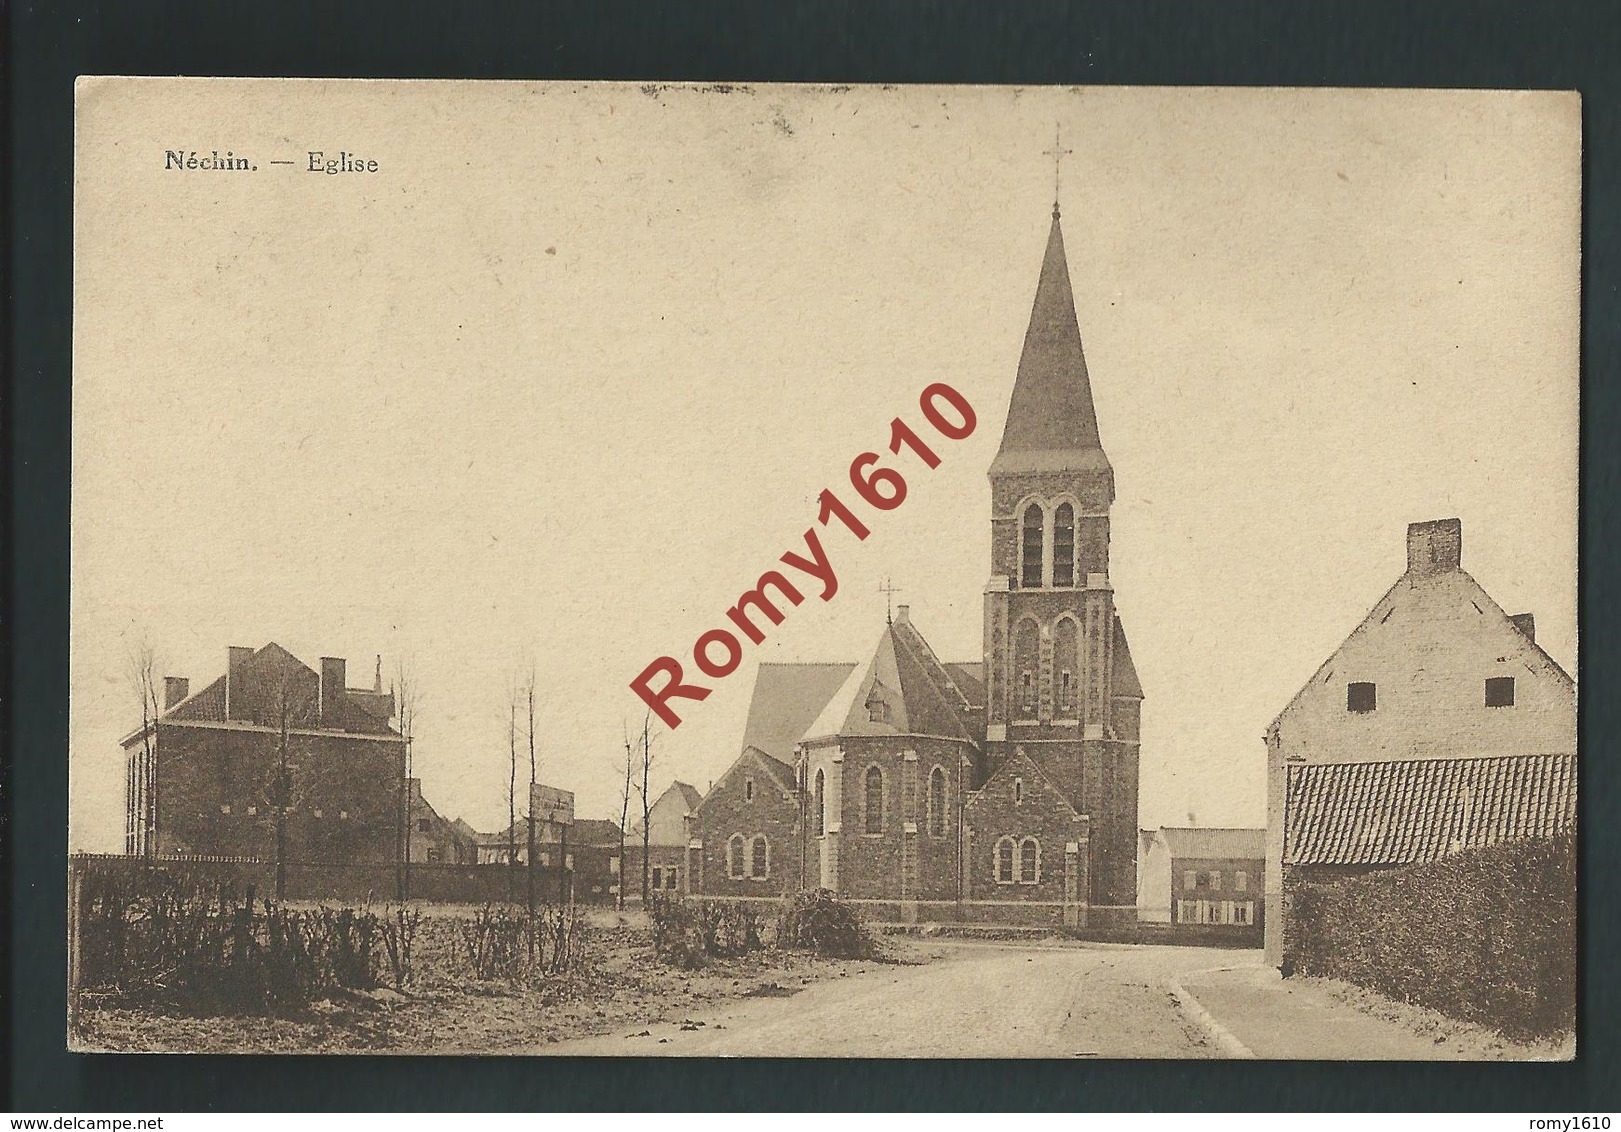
x,y
1486,935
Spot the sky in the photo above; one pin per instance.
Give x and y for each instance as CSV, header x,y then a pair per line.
x,y
553,386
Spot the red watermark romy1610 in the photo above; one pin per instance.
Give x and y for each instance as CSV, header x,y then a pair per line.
x,y
718,652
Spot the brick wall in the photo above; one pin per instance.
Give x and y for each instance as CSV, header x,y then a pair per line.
x,y
346,794
1019,803
727,811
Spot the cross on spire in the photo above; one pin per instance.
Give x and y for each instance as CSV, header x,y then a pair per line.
x,y
889,589
1057,153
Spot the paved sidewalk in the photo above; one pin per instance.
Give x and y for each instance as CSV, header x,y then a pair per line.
x,y
1285,1018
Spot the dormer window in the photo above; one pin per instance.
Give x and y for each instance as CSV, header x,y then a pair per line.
x,y
1031,546
1361,696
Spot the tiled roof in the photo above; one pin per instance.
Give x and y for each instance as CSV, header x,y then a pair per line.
x,y
689,794
786,698
1207,844
1395,813
594,831
894,693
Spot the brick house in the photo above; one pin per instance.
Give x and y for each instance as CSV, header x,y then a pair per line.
x,y
1203,876
667,839
917,778
1436,673
205,776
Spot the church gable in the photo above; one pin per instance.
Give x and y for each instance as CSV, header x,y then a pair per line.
x,y
1026,841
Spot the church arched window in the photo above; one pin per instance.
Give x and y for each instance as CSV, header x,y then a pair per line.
x,y
1064,546
821,804
937,802
1030,541
1005,863
1066,662
734,857
873,799
760,858
1029,861
1025,662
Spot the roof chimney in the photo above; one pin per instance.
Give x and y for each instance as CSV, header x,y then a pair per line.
x,y
1526,624
177,688
377,680
334,682
903,615
1434,547
237,697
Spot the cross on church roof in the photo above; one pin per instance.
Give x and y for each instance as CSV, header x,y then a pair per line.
x,y
1057,153
889,589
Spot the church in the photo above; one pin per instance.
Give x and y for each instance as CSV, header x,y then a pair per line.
x,y
998,790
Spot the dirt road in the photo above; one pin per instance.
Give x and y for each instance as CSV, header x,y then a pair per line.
x,y
976,1000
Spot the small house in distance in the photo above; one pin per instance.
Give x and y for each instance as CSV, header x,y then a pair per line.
x,y
666,842
1203,876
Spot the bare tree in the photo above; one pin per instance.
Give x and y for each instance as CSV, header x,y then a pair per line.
x,y
292,699
141,668
406,701
624,813
529,689
647,807
512,782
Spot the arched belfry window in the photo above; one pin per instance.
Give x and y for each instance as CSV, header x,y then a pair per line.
x,y
1026,659
1031,548
874,800
821,804
937,802
1064,546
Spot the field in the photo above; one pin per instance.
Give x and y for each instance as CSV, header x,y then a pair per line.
x,y
618,984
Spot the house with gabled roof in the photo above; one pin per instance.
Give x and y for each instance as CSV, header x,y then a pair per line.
x,y
206,776
1439,725
666,842
1203,875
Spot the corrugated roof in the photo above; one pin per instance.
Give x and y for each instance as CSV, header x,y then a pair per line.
x,y
1198,843
1404,812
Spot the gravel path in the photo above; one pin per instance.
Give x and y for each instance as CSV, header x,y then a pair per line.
x,y
977,1000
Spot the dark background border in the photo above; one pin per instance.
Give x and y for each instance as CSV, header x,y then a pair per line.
x,y
1238,42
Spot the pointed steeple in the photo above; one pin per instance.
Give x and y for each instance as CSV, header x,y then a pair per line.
x,y
1051,425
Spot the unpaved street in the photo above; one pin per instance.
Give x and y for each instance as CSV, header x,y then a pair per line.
x,y
976,1000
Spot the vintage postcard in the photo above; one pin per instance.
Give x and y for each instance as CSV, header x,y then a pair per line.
x,y
824,571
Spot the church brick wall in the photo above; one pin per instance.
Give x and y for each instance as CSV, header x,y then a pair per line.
x,y
727,811
871,865
1040,812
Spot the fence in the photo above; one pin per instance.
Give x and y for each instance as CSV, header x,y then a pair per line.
x,y
356,883
1487,935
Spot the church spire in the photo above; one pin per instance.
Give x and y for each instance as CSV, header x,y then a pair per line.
x,y
1051,425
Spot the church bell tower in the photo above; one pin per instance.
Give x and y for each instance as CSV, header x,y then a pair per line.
x,y
1060,684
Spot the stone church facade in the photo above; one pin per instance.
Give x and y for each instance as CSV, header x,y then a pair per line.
x,y
998,790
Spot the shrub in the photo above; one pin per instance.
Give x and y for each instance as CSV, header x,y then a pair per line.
x,y
817,920
1487,935
690,932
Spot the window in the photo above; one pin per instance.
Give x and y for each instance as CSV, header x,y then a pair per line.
x,y
1190,879
1241,882
734,857
877,705
671,872
1004,861
1030,544
1215,882
1018,791
658,877
1185,911
874,798
423,824
821,804
1064,546
1360,696
937,802
759,858
748,790
1500,691
1241,912
1029,861
1066,692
